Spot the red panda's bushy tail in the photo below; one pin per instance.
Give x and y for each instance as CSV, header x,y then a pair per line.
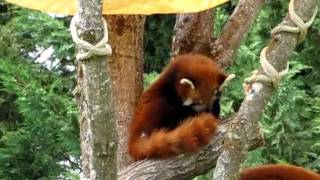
x,y
187,137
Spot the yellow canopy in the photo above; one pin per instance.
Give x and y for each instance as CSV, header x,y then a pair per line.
x,y
123,6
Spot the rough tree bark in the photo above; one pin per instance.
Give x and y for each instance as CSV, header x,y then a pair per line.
x,y
97,124
126,67
235,30
193,33
182,167
186,166
245,124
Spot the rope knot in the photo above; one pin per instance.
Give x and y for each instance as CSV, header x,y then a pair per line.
x,y
102,48
272,76
302,27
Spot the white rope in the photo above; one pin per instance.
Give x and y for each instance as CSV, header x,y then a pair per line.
x,y
271,72
301,28
102,48
272,76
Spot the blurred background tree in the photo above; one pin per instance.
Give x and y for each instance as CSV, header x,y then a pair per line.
x,y
157,42
39,136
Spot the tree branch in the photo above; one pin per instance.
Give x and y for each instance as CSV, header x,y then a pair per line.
x,y
186,166
245,124
235,30
192,33
183,166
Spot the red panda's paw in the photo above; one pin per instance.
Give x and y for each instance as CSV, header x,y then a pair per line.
x,y
163,144
207,126
197,131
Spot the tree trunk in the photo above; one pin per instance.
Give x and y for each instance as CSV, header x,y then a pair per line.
x,y
97,123
235,30
184,167
126,67
181,167
193,33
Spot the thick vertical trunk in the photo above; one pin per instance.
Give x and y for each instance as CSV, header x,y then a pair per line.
x,y
193,33
97,123
126,67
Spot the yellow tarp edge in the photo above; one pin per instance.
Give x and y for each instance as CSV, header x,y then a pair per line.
x,y
123,6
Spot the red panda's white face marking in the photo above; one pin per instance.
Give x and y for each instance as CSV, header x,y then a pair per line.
x,y
197,99
187,102
188,82
197,80
143,135
205,105
199,107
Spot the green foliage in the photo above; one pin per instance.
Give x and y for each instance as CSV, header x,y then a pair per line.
x,y
157,42
149,78
28,34
4,15
221,17
39,133
292,128
47,132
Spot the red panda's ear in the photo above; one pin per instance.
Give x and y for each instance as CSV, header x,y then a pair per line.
x,y
188,82
221,78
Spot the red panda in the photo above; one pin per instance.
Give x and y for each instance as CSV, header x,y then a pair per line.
x,y
178,112
278,172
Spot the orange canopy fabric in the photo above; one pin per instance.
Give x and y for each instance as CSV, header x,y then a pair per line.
x,y
123,6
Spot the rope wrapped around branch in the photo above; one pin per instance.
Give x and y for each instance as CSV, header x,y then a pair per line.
x,y
102,48
301,28
271,75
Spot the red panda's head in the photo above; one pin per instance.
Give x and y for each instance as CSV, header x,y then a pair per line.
x,y
198,80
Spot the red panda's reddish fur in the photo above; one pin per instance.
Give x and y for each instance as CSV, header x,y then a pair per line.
x,y
162,127
278,172
187,137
